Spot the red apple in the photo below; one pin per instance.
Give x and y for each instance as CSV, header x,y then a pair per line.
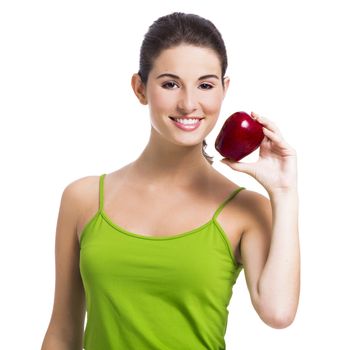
x,y
239,136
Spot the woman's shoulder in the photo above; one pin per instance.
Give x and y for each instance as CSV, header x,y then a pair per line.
x,y
248,199
247,195
82,186
247,202
86,187
82,192
223,185
252,206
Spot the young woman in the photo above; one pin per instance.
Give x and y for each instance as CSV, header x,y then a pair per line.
x,y
153,249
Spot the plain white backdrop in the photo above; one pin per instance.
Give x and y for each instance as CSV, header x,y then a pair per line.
x,y
67,111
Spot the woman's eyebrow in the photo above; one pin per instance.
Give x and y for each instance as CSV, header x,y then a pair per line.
x,y
177,77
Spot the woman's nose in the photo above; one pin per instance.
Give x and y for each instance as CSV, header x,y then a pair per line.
x,y
187,102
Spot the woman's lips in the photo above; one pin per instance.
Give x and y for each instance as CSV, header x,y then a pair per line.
x,y
186,117
187,127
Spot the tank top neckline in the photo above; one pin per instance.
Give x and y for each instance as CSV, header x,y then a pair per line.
x,y
121,229
152,237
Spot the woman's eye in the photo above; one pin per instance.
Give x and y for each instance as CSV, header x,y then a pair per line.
x,y
169,85
207,86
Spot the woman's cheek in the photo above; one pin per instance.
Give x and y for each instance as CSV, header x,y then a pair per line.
x,y
160,101
212,104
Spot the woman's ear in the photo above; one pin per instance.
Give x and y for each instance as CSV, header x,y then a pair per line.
x,y
226,85
139,88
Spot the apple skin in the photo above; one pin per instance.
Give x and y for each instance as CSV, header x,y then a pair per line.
x,y
239,136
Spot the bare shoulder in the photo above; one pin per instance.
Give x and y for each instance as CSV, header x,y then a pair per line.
x,y
250,204
256,213
81,190
85,195
81,198
255,206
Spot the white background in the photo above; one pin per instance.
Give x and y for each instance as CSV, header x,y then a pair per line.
x,y
67,111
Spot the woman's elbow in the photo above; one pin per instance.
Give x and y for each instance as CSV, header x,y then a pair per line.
x,y
278,320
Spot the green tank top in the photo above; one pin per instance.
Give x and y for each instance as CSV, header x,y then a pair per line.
x,y
156,292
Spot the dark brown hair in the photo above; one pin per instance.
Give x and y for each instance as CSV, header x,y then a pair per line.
x,y
177,28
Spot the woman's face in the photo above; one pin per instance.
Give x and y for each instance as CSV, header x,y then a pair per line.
x,y
185,81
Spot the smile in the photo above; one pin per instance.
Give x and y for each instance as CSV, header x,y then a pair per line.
x,y
187,124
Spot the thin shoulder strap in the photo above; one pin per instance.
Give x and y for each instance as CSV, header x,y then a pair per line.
x,y
101,191
232,195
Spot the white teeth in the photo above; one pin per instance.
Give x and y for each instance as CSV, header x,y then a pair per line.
x,y
187,121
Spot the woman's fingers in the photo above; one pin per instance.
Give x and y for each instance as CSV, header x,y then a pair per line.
x,y
272,135
267,123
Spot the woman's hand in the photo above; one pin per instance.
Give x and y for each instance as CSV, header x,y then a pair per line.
x,y
276,168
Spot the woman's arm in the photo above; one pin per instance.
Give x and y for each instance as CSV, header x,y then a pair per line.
x,y
55,342
270,245
65,330
271,258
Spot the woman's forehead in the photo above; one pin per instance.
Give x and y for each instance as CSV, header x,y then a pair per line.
x,y
187,60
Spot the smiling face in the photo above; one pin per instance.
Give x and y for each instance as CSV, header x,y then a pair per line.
x,y
185,81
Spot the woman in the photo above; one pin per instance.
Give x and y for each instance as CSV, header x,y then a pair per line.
x,y
144,248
